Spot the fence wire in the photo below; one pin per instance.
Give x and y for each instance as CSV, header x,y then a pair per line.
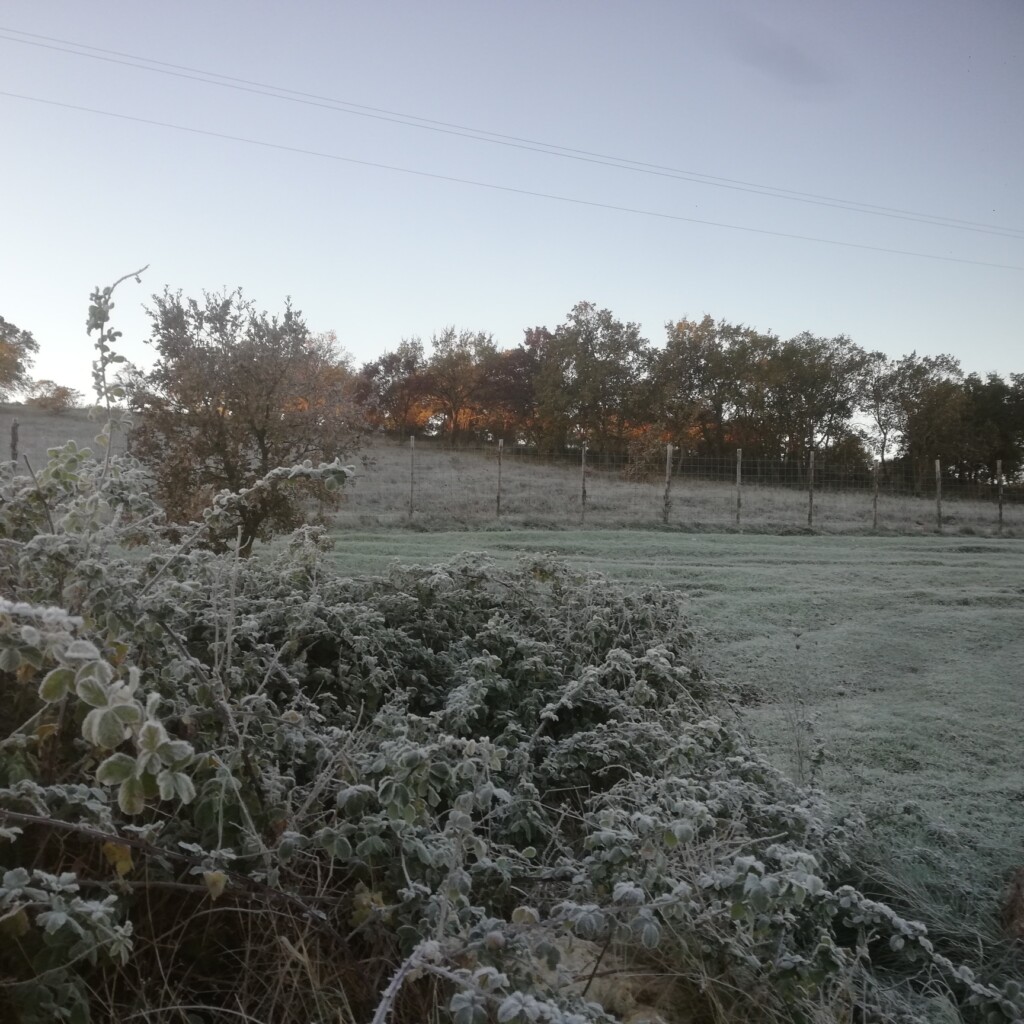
x,y
430,486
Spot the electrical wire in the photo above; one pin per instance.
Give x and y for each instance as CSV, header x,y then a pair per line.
x,y
495,138
501,188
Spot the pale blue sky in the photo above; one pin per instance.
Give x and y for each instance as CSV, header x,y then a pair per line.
x,y
914,105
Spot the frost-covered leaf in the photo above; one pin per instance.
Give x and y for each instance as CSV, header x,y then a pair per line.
x,y
152,736
525,915
56,684
90,685
175,785
115,769
174,752
102,728
131,796
129,714
81,650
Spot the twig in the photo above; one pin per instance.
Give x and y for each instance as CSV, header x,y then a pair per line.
x,y
42,497
174,554
597,962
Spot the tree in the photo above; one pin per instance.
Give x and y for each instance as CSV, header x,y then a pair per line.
x,y
696,383
17,347
821,383
455,379
592,379
52,397
392,389
994,426
233,395
507,403
921,401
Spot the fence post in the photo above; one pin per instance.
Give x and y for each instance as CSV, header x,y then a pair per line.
x,y
583,483
810,492
412,471
666,507
874,501
938,494
14,440
501,445
999,475
739,484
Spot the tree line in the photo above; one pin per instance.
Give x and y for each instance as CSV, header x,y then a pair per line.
x,y
713,386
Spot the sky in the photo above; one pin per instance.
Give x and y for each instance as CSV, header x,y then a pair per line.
x,y
398,167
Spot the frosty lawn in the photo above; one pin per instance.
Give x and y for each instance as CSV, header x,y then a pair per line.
x,y
903,657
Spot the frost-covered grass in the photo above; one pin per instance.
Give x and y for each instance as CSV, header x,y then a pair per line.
x,y
459,489
900,656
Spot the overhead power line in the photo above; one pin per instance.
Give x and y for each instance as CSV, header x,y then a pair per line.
x,y
495,138
499,188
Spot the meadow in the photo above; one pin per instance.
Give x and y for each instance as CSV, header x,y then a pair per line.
x,y
899,657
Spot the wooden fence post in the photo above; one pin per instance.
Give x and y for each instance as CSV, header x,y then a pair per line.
x,y
666,506
739,485
999,475
412,471
501,445
810,492
938,494
583,483
14,440
874,500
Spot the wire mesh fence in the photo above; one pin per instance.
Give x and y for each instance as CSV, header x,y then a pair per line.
x,y
427,485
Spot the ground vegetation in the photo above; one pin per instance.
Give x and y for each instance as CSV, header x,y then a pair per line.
x,y
256,789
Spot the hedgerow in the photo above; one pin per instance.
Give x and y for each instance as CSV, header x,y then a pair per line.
x,y
251,789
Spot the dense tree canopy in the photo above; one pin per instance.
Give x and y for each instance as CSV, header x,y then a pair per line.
x,y
713,386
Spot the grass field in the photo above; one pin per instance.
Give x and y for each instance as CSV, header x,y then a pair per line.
x,y
902,656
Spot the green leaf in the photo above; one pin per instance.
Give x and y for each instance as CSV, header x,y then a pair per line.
x,y
91,690
184,788
10,659
174,752
115,769
131,797
129,714
56,685
165,781
102,728
152,736
101,671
